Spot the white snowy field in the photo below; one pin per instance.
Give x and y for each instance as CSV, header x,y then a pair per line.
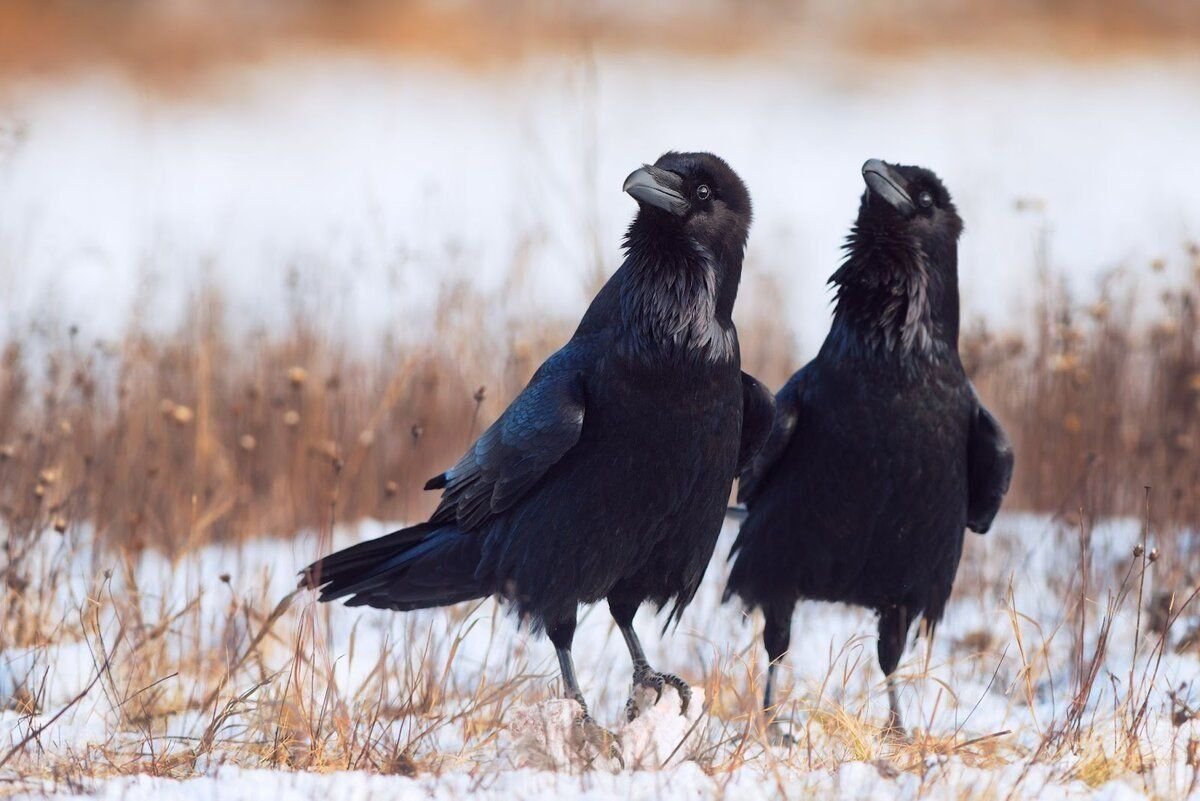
x,y
353,190
146,678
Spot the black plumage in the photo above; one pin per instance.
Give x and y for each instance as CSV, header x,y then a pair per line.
x,y
608,476
881,453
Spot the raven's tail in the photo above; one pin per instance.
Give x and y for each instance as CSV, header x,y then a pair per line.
x,y
426,565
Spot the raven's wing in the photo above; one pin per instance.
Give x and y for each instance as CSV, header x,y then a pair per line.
x,y
535,431
989,469
758,415
787,412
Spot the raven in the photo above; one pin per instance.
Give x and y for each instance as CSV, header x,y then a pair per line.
x,y
608,476
881,453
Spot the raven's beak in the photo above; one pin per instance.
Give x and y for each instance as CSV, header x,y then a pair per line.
x,y
884,182
657,187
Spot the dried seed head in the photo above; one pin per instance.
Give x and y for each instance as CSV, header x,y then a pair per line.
x,y
1138,550
247,442
391,488
366,438
1063,362
297,376
1072,423
1099,311
1166,328
291,418
60,524
1158,265
65,428
166,407
182,415
39,492
7,451
417,431
50,475
480,394
1153,555
224,577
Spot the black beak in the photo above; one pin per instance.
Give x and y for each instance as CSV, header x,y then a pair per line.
x,y
885,183
657,187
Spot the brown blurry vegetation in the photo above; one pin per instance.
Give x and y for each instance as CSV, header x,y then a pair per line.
x,y
203,435
174,39
1103,400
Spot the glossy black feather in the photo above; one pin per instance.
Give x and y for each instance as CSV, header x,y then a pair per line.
x,y
880,455
607,477
989,470
758,418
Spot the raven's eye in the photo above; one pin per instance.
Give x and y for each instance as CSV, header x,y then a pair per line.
x,y
703,192
925,199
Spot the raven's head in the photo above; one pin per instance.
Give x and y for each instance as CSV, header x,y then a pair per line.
x,y
899,282
911,202
695,195
684,257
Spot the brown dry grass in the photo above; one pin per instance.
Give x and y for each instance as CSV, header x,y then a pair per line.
x,y
198,436
1102,397
165,444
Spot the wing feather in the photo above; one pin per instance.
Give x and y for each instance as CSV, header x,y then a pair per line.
x,y
535,431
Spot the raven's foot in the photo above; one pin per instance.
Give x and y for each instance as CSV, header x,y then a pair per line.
x,y
894,729
644,676
779,736
602,740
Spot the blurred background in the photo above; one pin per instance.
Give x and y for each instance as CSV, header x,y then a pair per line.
x,y
268,265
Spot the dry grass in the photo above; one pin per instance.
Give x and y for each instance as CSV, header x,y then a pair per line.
x,y
200,436
113,453
1103,403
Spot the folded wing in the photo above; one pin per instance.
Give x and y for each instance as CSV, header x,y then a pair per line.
x,y
989,469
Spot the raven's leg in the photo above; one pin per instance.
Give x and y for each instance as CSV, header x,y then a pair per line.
x,y
562,634
777,635
893,632
643,674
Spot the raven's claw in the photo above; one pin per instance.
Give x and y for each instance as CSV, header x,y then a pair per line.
x,y
604,741
644,676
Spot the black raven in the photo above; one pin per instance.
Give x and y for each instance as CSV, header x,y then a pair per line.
x,y
881,453
608,476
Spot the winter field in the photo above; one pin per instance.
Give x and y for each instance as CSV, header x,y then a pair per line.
x,y
1060,672
246,314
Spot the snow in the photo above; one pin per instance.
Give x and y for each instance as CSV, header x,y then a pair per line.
x,y
353,189
977,680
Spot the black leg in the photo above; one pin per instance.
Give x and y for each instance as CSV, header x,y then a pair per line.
x,y
643,674
893,633
562,634
777,634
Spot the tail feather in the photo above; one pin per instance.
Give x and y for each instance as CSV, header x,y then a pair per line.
x,y
415,568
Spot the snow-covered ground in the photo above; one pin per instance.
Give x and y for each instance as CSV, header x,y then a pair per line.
x,y
361,186
998,678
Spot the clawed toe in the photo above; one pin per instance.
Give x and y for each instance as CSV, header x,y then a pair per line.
x,y
653,680
896,733
776,735
601,739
